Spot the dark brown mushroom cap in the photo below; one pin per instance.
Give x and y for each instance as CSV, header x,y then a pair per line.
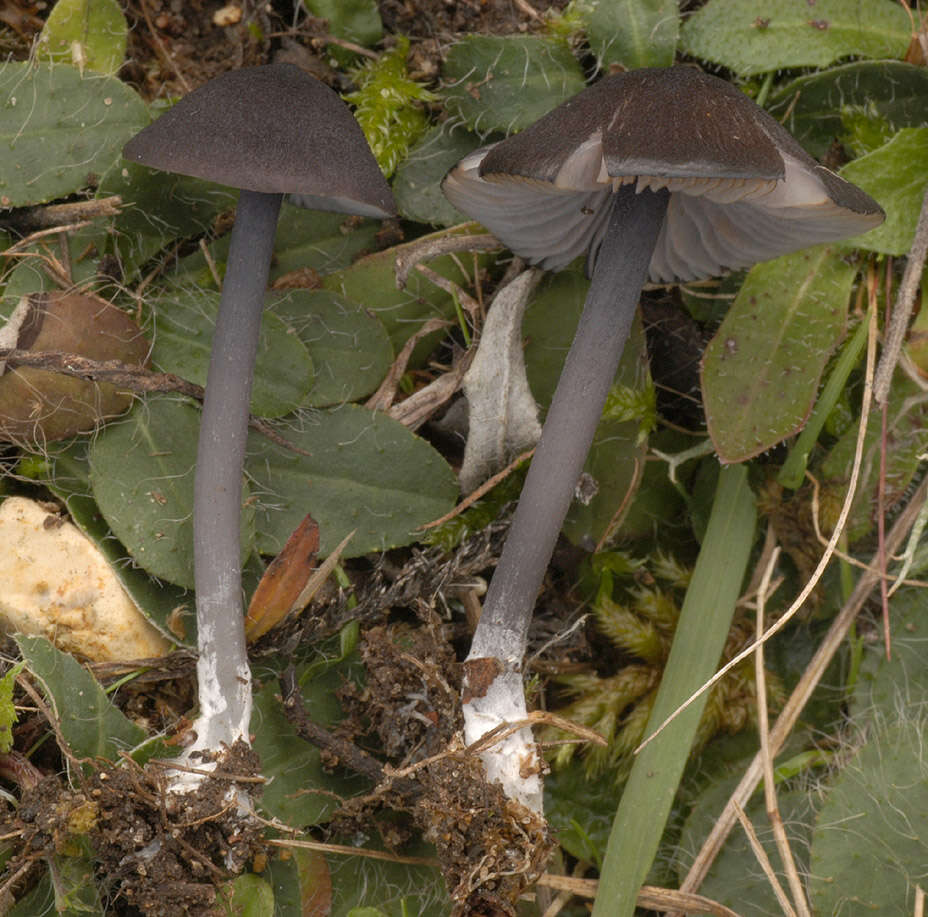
x,y
742,189
273,129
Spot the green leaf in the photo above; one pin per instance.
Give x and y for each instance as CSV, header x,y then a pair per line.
x,y
141,474
300,792
183,322
417,184
324,242
580,810
39,900
76,892
90,724
360,884
755,36
882,682
703,627
157,208
907,434
896,175
247,895
85,33
505,83
168,607
633,33
355,20
59,129
349,346
617,451
871,834
760,372
735,880
306,241
812,105
366,473
371,282
301,884
7,709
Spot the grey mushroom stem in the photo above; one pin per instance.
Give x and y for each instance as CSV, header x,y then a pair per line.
x,y
222,670
621,268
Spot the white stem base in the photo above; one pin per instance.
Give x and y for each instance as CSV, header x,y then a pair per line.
x,y
513,762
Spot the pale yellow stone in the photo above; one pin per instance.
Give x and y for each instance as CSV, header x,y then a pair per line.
x,y
55,583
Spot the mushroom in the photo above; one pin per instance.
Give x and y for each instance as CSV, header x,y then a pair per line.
x,y
656,174
269,131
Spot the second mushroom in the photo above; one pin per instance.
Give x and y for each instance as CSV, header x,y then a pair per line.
x,y
658,174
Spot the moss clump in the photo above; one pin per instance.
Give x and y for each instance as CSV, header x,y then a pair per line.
x,y
387,106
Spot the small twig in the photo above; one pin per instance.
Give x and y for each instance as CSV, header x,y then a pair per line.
x,y
618,515
475,495
57,216
415,410
52,720
902,311
172,764
195,854
757,848
161,48
650,896
347,45
210,263
422,250
528,9
354,852
801,694
24,243
131,378
470,305
763,726
810,585
385,395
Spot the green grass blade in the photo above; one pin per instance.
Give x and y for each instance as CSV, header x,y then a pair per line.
x,y
700,637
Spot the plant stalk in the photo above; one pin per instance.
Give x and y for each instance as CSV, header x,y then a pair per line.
x,y
493,691
224,679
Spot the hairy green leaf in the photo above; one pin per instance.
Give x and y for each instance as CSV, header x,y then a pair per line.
x,y
85,33
760,372
59,129
141,473
633,33
183,322
814,105
349,346
756,36
89,722
365,473
896,175
504,83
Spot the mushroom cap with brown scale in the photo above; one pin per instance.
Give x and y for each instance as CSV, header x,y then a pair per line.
x,y
742,190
